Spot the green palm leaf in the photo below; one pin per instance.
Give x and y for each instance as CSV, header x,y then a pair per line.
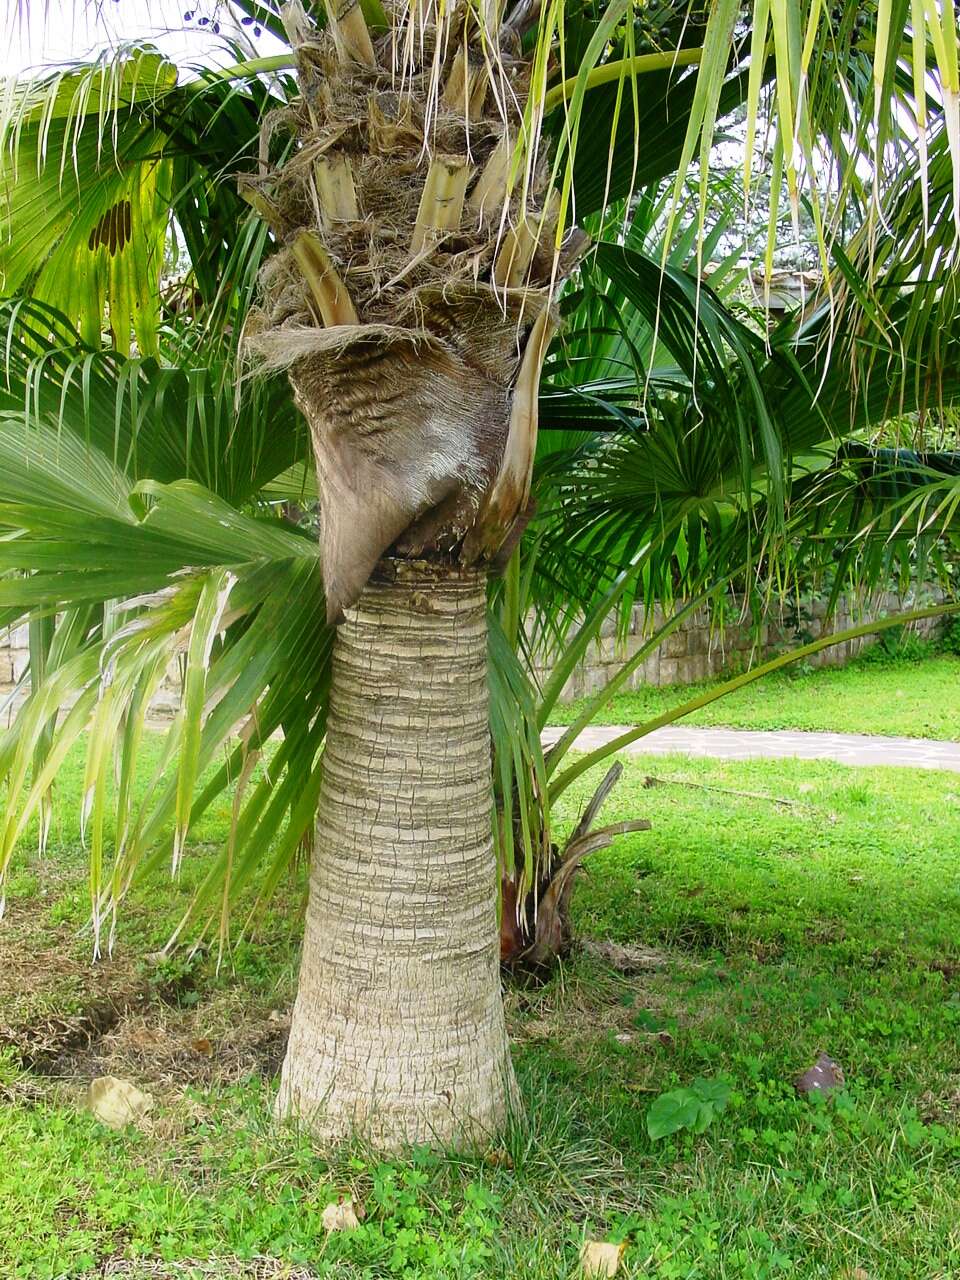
x,y
195,419
240,597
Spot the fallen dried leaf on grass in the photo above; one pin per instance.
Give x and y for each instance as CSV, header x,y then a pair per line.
x,y
143,1039
340,1216
203,1046
117,1102
824,1077
498,1158
597,1258
626,960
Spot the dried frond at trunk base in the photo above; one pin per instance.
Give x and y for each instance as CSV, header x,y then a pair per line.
x,y
403,338
536,931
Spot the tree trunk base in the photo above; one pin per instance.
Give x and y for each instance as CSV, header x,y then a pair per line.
x,y
398,1033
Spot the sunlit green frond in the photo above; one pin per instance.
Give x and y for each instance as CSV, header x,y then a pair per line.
x,y
899,283
685,468
106,169
691,435
166,571
84,195
521,821
626,96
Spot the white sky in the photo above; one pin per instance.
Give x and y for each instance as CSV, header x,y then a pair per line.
x,y
36,33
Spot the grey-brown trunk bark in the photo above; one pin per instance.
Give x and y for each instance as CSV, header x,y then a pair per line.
x,y
398,1031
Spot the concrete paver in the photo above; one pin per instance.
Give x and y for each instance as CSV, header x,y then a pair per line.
x,y
781,744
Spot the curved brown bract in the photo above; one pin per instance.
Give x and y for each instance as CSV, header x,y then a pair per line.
x,y
505,499
402,428
406,288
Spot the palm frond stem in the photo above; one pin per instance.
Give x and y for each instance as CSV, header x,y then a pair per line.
x,y
621,68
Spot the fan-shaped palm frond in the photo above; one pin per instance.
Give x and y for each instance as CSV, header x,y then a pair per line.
x,y
104,168
107,261
180,574
191,416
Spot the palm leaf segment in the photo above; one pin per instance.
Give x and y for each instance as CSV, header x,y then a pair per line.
x,y
107,262
94,163
123,535
230,597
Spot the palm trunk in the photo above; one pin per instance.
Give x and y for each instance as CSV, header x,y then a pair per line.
x,y
410,299
398,1031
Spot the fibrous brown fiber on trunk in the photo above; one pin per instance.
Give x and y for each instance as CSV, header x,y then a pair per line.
x,y
409,277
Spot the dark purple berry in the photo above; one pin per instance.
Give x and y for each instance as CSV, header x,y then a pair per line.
x,y
257,31
215,28
202,22
188,16
245,21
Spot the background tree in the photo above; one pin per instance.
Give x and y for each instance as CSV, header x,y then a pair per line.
x,y
414,192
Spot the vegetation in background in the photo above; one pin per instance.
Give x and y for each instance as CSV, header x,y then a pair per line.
x,y
879,693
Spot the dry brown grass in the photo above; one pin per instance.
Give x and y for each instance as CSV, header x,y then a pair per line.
x,y
53,999
211,1269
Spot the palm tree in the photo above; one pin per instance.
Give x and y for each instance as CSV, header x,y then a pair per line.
x,y
413,195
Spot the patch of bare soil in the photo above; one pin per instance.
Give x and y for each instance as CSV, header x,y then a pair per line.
x,y
67,1020
53,999
222,1039
626,960
163,1048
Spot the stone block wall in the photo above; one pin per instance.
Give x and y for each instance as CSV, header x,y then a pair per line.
x,y
15,657
700,649
696,651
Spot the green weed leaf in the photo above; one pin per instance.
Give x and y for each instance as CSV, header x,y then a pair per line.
x,y
671,1112
694,1108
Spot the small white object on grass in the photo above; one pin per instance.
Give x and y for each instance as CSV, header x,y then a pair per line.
x,y
598,1258
117,1102
340,1216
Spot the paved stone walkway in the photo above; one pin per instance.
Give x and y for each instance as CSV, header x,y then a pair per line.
x,y
750,744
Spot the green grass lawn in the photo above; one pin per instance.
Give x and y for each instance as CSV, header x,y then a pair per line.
x,y
915,699
823,912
